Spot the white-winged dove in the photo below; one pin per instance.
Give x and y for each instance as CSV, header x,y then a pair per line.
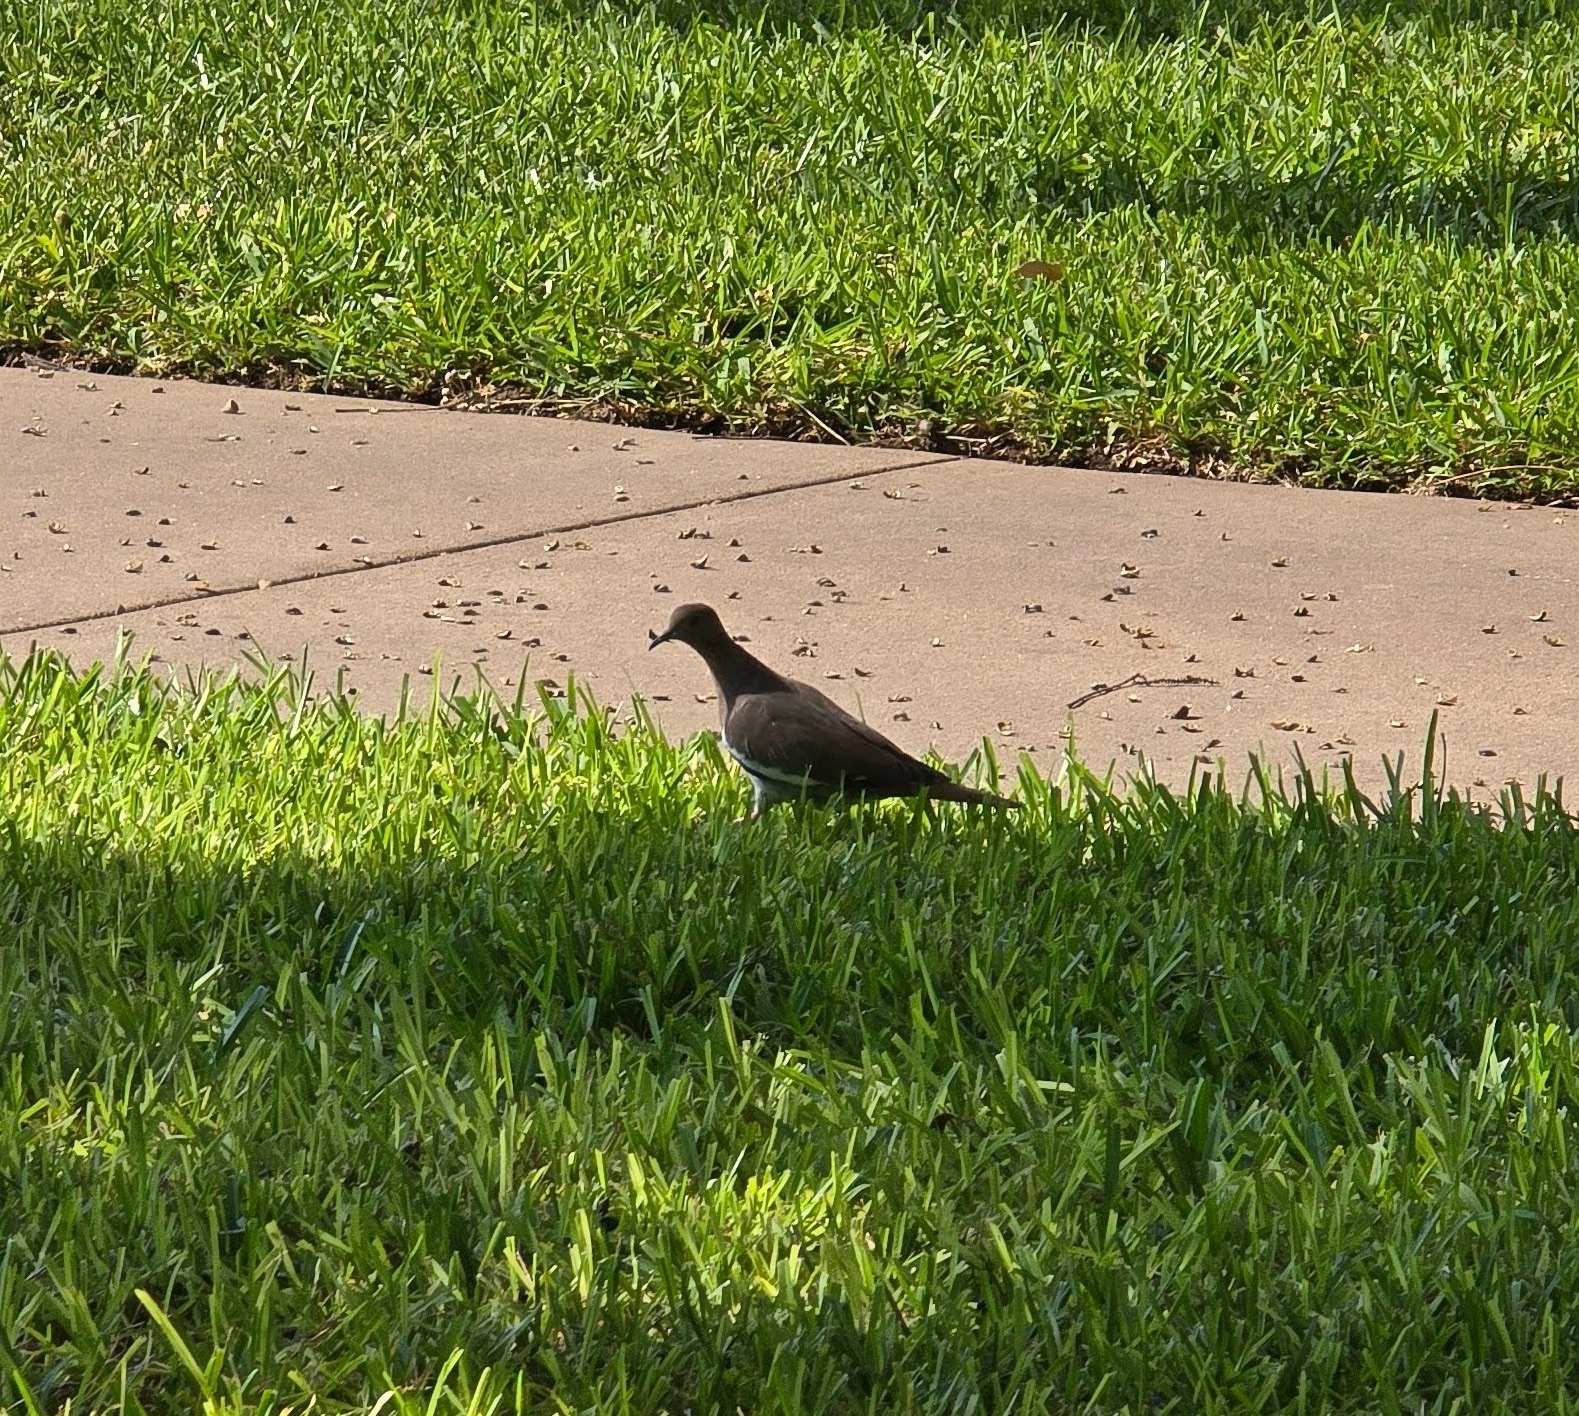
x,y
793,741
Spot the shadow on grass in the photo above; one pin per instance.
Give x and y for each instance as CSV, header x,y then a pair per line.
x,y
1150,19
1331,205
531,860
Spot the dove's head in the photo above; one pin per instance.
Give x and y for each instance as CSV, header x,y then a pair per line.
x,y
696,625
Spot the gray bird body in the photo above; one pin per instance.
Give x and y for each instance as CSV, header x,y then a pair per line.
x,y
794,742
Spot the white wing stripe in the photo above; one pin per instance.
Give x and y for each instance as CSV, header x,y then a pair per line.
x,y
769,774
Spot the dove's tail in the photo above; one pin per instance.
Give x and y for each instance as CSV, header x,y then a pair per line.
x,y
953,791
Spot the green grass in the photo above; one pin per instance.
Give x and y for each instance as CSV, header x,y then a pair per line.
x,y
1337,244
488,1060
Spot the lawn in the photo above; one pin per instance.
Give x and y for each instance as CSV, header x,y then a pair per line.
x,y
1334,244
488,1060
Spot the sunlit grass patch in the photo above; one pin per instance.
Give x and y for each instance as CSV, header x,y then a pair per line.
x,y
1337,243
485,1057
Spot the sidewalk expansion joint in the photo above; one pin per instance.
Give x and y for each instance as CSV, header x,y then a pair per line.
x,y
490,543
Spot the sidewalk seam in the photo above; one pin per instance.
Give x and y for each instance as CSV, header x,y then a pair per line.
x,y
491,543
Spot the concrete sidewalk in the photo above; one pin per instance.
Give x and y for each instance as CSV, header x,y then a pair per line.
x,y
944,599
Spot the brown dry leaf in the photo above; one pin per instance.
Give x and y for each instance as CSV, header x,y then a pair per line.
x,y
1287,725
1236,616
1447,700
1281,563
1553,640
1040,270
134,567
1130,572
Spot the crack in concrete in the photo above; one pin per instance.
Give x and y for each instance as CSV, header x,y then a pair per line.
x,y
489,543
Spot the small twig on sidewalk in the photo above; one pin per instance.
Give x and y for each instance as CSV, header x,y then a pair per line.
x,y
1141,681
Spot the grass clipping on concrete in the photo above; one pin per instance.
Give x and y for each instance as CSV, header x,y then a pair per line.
x,y
1337,244
483,1062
